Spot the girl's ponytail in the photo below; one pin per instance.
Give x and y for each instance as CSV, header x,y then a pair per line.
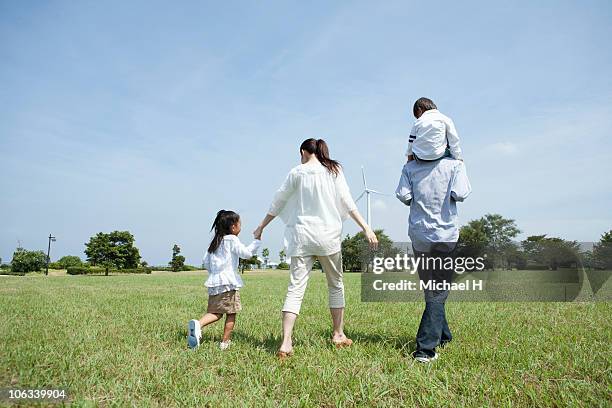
x,y
222,225
319,148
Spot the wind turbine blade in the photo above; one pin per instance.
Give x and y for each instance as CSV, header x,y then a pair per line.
x,y
359,198
364,178
378,192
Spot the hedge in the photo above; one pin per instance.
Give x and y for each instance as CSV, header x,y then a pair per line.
x,y
537,267
10,272
81,270
169,269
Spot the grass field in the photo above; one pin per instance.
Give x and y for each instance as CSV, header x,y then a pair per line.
x,y
120,340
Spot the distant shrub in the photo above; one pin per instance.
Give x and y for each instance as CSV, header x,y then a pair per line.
x,y
28,261
537,267
55,265
80,270
161,268
283,265
133,270
68,261
9,271
169,268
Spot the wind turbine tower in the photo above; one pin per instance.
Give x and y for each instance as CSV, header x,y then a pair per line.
x,y
367,191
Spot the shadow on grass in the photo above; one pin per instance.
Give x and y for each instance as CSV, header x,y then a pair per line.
x,y
269,344
405,344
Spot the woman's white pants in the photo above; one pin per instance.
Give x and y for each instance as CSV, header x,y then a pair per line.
x,y
301,267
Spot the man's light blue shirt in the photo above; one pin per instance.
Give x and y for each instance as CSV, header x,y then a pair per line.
x,y
432,190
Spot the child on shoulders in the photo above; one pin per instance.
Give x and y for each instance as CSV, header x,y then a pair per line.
x,y
433,134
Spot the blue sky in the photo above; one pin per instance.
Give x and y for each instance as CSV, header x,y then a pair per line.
x,y
151,116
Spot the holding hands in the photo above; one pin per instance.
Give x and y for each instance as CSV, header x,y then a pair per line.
x,y
259,230
257,233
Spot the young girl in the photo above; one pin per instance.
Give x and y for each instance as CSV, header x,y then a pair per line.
x,y
223,281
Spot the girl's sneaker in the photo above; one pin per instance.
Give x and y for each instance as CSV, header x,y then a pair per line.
x,y
194,332
224,345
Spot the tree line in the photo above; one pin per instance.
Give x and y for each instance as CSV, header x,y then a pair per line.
x,y
114,251
491,236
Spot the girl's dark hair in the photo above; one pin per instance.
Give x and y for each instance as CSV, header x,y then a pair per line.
x,y
222,224
423,104
318,147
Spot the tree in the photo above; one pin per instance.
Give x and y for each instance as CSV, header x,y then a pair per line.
x,y
178,261
351,258
243,263
115,249
473,239
282,255
499,231
551,251
266,256
356,252
514,256
492,235
28,261
602,252
69,260
587,259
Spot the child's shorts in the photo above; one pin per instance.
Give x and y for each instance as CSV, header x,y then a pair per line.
x,y
226,302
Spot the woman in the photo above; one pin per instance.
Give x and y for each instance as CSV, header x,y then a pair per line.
x,y
313,201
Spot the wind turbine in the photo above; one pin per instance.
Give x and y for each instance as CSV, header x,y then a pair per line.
x,y
367,191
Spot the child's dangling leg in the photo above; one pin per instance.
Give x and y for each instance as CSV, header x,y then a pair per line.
x,y
209,318
194,328
230,320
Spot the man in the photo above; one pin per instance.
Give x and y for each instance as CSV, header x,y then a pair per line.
x,y
432,189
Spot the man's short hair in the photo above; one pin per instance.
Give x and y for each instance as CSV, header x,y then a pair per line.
x,y
423,104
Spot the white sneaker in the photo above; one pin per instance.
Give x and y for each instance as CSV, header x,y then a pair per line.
x,y
194,333
224,345
426,359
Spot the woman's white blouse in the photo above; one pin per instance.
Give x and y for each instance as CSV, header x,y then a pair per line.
x,y
222,265
313,202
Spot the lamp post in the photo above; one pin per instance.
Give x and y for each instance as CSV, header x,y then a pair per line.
x,y
51,238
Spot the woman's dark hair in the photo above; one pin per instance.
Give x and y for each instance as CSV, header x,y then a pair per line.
x,y
423,104
318,147
222,226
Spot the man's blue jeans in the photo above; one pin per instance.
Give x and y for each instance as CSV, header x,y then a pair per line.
x,y
433,329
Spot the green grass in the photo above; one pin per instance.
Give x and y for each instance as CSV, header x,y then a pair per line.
x,y
120,340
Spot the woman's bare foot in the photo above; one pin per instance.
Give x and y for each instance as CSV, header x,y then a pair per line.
x,y
286,348
340,340
284,354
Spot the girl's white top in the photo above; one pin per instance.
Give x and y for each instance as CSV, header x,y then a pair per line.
x,y
222,265
313,202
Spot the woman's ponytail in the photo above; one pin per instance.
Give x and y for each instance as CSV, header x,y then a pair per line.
x,y
319,148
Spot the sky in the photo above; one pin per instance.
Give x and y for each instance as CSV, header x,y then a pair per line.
x,y
151,116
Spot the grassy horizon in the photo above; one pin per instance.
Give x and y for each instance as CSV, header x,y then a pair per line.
x,y
120,340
